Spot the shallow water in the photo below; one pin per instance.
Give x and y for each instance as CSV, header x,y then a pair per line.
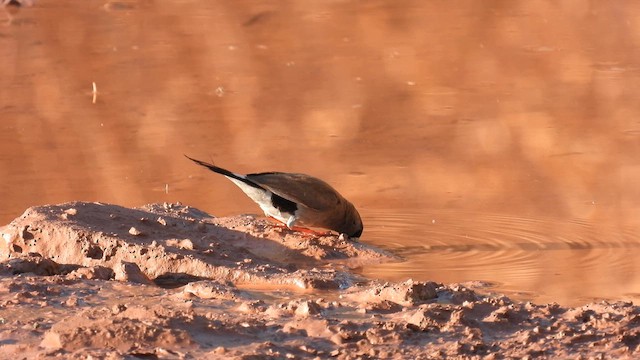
x,y
541,259
489,141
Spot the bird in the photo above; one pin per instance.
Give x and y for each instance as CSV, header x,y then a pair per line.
x,y
297,200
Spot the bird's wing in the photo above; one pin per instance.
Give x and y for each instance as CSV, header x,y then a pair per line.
x,y
299,188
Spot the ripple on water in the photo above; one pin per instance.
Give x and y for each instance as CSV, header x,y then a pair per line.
x,y
557,260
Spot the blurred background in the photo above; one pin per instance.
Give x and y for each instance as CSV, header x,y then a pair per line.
x,y
493,141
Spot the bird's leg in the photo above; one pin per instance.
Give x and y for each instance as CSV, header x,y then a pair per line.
x,y
281,224
310,231
289,224
277,222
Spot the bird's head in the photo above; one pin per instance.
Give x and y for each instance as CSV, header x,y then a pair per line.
x,y
352,225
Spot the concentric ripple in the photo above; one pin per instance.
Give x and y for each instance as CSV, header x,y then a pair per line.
x,y
568,261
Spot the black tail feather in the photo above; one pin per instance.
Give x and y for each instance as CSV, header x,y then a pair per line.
x,y
224,172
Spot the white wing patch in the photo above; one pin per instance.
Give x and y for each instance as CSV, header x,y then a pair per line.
x,y
263,198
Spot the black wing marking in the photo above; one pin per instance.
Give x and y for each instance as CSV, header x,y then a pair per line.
x,y
284,205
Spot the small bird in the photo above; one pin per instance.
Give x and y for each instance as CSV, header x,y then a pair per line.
x,y
296,199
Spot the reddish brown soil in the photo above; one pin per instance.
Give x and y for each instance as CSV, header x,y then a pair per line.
x,y
89,280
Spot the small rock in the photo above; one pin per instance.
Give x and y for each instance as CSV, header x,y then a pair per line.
x,y
407,293
72,301
208,289
337,339
307,308
91,273
128,271
186,244
118,308
33,264
135,232
384,306
252,307
52,340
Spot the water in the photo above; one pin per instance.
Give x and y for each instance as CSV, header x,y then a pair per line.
x,y
491,141
539,259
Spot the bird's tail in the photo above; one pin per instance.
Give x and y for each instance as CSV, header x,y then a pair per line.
x,y
224,172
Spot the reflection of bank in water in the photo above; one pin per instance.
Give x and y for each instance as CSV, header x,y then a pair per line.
x,y
547,259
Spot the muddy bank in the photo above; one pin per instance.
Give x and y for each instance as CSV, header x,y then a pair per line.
x,y
173,244
169,281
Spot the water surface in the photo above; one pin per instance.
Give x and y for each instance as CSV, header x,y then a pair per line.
x,y
482,141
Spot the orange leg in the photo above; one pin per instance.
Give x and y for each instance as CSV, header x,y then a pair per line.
x,y
300,229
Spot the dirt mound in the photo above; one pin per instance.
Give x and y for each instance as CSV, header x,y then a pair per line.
x,y
173,245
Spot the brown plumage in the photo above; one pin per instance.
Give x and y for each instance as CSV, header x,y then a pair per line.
x,y
297,199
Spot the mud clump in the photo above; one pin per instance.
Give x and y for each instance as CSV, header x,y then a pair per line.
x,y
82,280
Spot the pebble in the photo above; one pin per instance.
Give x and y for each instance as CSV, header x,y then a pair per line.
x,y
135,232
